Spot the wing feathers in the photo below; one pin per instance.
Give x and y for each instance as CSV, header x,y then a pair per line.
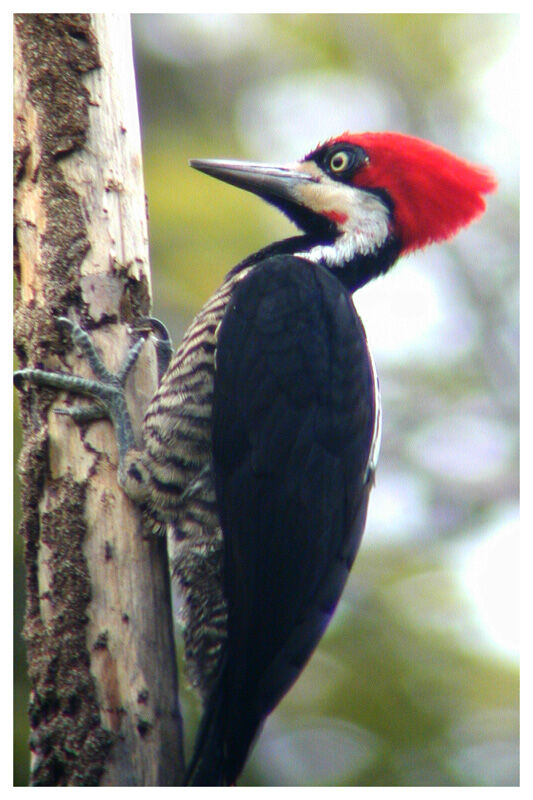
x,y
293,415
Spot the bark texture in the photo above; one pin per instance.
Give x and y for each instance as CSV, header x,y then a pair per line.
x,y
104,705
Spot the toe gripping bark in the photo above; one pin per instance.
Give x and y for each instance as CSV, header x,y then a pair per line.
x,y
108,390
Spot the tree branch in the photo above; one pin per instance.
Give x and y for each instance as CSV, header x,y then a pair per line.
x,y
104,705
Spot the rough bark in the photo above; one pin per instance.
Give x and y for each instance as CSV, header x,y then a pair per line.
x,y
104,706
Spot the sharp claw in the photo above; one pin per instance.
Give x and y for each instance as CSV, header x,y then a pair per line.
x,y
65,322
163,341
152,325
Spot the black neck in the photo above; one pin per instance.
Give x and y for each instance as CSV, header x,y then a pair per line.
x,y
353,275
364,268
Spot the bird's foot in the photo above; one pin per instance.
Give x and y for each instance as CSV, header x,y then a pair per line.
x,y
107,391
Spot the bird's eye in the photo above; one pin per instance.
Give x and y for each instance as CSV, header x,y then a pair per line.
x,y
340,161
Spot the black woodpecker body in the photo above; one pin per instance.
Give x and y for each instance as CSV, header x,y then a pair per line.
x,y
295,416
260,445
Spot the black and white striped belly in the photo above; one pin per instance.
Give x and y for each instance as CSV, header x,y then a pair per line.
x,y
179,491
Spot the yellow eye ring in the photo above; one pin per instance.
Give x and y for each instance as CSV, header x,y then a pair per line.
x,y
339,161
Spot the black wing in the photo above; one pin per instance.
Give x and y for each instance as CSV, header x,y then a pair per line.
x,y
293,416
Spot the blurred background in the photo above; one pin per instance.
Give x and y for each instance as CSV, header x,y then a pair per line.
x,y
416,680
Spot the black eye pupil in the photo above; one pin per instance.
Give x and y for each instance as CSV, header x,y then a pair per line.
x,y
339,161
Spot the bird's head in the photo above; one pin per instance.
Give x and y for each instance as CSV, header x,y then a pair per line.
x,y
362,200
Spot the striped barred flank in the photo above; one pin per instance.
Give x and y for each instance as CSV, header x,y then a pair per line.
x,y
172,478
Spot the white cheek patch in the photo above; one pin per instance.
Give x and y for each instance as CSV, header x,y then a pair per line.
x,y
326,198
361,218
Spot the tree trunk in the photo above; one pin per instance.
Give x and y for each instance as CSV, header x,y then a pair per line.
x,y
104,703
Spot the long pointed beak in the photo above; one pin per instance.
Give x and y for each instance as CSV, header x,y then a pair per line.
x,y
265,180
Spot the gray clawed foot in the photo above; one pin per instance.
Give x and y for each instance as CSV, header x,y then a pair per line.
x,y
107,391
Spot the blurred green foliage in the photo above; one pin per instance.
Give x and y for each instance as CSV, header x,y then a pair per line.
x,y
405,688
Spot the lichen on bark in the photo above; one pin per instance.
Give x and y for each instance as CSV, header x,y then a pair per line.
x,y
68,742
104,705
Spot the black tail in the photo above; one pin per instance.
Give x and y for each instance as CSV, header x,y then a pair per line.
x,y
224,738
207,763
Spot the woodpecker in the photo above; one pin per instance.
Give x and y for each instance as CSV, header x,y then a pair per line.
x,y
260,445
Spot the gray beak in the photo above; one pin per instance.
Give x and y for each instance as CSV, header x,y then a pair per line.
x,y
266,180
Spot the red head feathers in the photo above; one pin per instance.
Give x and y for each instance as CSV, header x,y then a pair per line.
x,y
434,192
